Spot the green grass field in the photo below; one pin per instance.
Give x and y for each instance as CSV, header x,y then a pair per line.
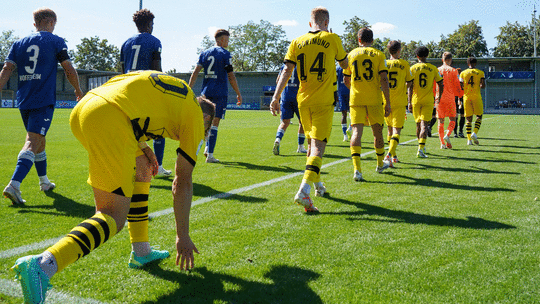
x,y
459,227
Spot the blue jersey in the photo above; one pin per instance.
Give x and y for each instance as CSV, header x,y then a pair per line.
x,y
139,51
342,88
37,57
291,90
216,62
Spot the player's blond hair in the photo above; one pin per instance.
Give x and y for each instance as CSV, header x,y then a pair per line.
x,y
319,15
44,14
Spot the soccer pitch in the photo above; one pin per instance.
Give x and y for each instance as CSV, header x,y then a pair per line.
x,y
461,226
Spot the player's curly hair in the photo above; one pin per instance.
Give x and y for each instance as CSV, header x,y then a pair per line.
x,y
42,14
422,52
143,18
471,60
394,46
365,34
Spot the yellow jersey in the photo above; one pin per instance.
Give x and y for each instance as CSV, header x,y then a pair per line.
x,y
365,66
471,83
314,55
158,105
424,76
399,73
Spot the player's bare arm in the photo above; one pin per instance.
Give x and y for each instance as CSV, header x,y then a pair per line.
x,y
234,85
182,195
482,83
282,82
73,78
194,75
347,81
344,63
6,72
409,94
152,160
441,90
385,87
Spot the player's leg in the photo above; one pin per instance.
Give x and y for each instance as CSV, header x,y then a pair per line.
x,y
394,144
376,120
358,120
137,217
441,132
283,125
478,110
462,118
37,122
397,122
159,150
431,122
301,138
221,107
450,112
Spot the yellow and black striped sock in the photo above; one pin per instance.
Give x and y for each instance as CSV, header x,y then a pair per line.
x,y
421,143
468,128
313,169
82,239
380,156
477,125
138,213
356,151
394,142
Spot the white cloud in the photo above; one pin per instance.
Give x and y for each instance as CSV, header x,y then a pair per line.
x,y
287,23
380,28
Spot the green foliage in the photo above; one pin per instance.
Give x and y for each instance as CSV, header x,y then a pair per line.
x,y
96,54
350,36
459,227
514,40
257,47
466,41
6,40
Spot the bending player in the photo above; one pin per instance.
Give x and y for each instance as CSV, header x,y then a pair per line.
x,y
472,80
113,150
420,97
289,107
399,80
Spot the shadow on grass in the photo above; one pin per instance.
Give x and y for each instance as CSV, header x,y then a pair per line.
x,y
428,182
203,191
463,169
244,165
396,216
61,206
290,285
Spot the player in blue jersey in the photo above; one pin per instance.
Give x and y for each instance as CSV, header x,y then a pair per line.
x,y
216,62
143,52
35,59
343,107
289,107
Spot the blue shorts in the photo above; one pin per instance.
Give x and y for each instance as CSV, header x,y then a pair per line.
x,y
289,108
221,105
38,120
343,103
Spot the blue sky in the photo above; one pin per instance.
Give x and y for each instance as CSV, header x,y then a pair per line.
x,y
181,25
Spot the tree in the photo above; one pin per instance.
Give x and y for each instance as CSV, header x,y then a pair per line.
x,y
407,50
466,41
96,54
514,41
350,37
257,47
435,50
6,41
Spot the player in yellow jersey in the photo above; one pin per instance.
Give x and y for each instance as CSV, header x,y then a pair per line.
x,y
314,55
420,97
399,79
366,75
472,80
447,103
113,122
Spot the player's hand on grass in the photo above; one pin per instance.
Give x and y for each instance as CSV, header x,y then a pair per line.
x,y
274,107
184,252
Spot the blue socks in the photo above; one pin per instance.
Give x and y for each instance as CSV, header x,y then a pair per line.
x,y
159,150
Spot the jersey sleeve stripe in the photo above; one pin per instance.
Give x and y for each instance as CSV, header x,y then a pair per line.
x,y
187,157
290,61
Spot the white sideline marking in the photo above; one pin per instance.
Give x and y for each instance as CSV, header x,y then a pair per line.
x,y
13,289
46,243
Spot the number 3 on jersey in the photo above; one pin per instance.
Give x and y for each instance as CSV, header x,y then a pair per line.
x,y
316,68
